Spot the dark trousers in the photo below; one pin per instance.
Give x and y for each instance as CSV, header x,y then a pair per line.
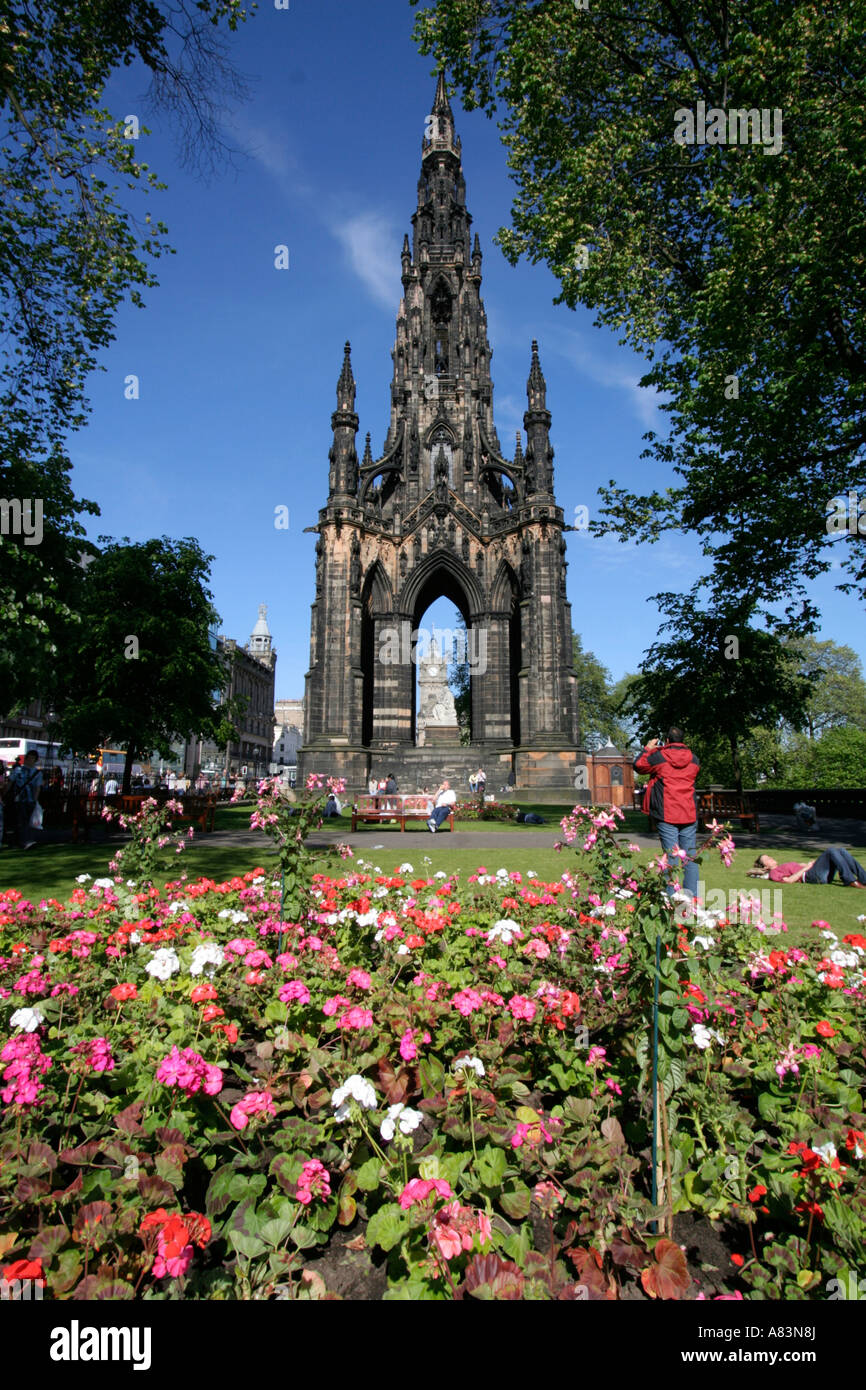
x,y
834,861
23,812
440,814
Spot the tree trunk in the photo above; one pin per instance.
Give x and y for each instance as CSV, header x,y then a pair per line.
x,y
127,769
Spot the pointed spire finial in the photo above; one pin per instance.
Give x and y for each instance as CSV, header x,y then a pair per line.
x,y
536,386
441,104
368,457
518,452
346,381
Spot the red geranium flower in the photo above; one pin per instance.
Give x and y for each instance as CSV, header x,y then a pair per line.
x,y
737,1260
23,1269
124,991
825,1029
201,993
757,1193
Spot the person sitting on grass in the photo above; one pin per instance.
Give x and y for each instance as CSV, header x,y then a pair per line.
x,y
820,870
445,800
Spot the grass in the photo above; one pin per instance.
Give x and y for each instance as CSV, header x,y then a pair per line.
x,y
50,870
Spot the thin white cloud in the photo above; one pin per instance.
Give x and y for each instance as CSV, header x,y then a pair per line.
x,y
615,375
640,558
372,249
268,149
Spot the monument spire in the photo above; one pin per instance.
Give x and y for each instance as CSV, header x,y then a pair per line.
x,y
343,456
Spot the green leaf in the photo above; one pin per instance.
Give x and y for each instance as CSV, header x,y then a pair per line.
x,y
516,1201
387,1226
368,1175
492,1163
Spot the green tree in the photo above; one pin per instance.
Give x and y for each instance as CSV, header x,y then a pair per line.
x,y
838,697
141,669
836,759
459,680
716,678
597,700
70,252
736,271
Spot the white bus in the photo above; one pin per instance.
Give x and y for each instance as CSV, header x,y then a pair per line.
x,y
50,754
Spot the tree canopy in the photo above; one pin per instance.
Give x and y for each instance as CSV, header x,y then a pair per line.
x,y
716,677
598,700
70,252
141,669
737,269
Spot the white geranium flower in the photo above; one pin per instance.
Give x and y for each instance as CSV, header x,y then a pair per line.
x,y
844,958
103,883
206,958
27,1019
355,1088
366,919
402,950
827,1151
530,873
505,930
829,935
705,942
440,874
163,963
405,869
82,878
501,873
469,1064
407,1121
235,916
704,1037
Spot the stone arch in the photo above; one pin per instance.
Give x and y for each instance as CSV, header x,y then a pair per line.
x,y
454,580
504,587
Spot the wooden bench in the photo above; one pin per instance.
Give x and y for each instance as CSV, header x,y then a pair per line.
x,y
728,805
394,806
197,810
87,811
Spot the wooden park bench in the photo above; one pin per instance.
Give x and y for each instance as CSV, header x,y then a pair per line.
x,y
87,811
394,806
728,805
197,810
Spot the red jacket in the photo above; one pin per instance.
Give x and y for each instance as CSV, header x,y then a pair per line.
x,y
670,795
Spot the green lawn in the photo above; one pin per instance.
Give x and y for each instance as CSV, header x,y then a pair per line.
x,y
50,870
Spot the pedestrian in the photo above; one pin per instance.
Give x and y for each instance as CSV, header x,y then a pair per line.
x,y
670,799
445,800
25,782
4,791
820,870
111,787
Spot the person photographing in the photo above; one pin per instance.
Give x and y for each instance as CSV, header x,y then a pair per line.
x,y
670,799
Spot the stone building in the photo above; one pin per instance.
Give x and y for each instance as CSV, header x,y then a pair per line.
x,y
289,712
252,675
442,513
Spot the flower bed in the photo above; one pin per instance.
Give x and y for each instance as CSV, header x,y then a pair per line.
x,y
202,1100
485,810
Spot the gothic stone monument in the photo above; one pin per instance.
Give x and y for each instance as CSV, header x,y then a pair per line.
x,y
442,512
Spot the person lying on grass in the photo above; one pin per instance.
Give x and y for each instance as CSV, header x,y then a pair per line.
x,y
820,870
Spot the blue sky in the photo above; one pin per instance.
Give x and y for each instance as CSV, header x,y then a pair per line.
x,y
238,362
